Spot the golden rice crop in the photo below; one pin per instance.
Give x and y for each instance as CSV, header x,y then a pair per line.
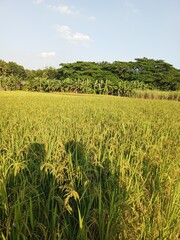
x,y
88,167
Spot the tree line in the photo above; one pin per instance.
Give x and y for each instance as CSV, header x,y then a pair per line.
x,y
117,78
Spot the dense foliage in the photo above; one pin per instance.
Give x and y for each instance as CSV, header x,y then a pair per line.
x,y
117,78
88,167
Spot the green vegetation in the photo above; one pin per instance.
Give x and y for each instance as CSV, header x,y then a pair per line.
x,y
88,167
117,78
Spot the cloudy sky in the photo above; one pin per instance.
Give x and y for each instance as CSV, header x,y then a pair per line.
x,y
40,33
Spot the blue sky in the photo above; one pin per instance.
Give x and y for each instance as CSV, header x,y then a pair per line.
x,y
41,33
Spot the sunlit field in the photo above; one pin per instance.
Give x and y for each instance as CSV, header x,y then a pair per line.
x,y
88,167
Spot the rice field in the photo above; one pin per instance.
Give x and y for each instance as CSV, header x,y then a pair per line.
x,y
88,167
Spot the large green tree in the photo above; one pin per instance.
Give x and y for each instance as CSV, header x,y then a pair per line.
x,y
3,68
17,70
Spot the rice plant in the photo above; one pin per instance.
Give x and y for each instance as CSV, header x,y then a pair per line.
x,y
88,167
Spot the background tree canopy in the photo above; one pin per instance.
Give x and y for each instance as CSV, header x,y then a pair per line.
x,y
117,78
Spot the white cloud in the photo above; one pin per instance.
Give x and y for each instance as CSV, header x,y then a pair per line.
x,y
37,1
47,54
64,9
66,33
80,37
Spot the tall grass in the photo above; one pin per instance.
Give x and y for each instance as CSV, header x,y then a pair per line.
x,y
88,167
156,94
